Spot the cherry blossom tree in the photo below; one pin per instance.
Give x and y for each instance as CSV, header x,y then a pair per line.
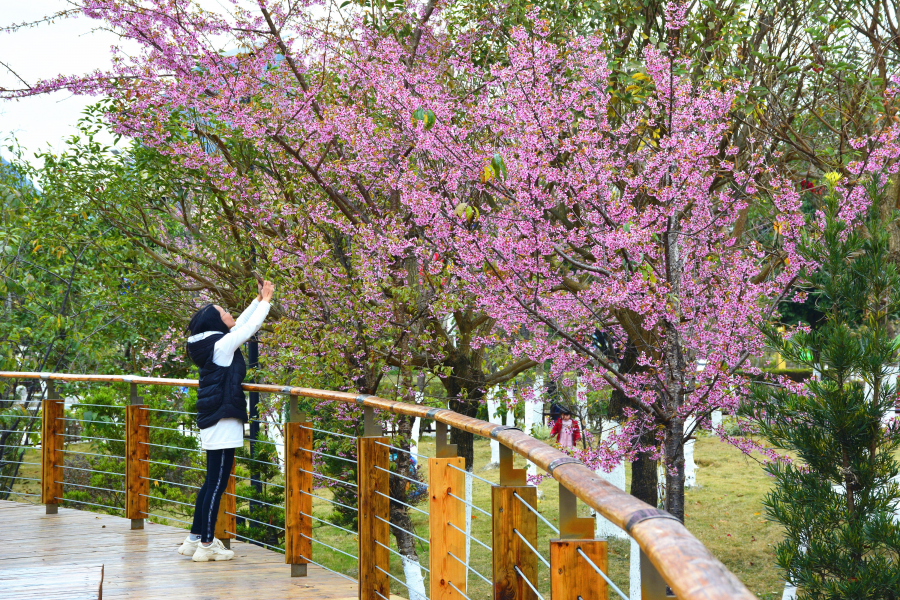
x,y
394,179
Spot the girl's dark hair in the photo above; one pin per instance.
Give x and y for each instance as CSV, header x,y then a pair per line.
x,y
206,319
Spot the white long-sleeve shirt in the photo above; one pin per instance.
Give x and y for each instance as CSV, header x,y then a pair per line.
x,y
229,433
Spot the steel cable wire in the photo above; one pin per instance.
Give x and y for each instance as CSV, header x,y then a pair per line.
x,y
483,578
329,523
392,499
264,442
155,516
90,487
404,584
87,421
21,493
392,551
177,412
380,595
241,477
450,583
410,479
534,510
338,481
344,435
321,566
331,547
401,529
255,521
157,462
331,501
600,571
481,510
471,537
172,483
85,437
471,474
349,460
262,462
90,453
172,447
167,500
93,470
532,548
163,428
253,500
410,452
91,503
252,541
527,581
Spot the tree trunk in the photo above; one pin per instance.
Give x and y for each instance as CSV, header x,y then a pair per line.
x,y
644,474
466,389
675,468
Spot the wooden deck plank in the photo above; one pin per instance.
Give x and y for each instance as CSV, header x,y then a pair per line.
x,y
51,582
144,563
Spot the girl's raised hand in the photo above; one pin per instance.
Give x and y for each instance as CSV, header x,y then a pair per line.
x,y
268,288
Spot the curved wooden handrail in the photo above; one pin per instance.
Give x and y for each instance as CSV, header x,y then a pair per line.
x,y
687,566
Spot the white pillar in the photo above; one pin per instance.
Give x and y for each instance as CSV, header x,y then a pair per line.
x,y
530,413
603,529
449,323
580,393
789,593
690,467
634,572
492,406
417,423
891,380
716,419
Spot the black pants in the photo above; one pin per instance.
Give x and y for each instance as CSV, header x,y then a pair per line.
x,y
218,470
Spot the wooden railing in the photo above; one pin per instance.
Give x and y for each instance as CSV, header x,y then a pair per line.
x,y
669,555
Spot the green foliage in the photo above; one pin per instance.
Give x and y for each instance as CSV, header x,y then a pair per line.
x,y
69,281
836,502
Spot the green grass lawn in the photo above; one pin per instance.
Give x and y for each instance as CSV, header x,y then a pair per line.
x,y
724,512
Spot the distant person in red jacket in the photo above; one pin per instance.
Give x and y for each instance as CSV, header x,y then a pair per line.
x,y
566,430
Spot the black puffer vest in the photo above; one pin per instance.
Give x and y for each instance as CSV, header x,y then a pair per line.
x,y
220,395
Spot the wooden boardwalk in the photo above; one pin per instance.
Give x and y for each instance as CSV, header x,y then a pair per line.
x,y
144,564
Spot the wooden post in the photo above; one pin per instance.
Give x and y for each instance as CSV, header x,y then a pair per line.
x,y
571,575
443,539
52,444
137,453
374,517
226,524
509,513
298,482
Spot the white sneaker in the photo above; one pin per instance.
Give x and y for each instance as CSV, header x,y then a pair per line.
x,y
215,551
188,547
